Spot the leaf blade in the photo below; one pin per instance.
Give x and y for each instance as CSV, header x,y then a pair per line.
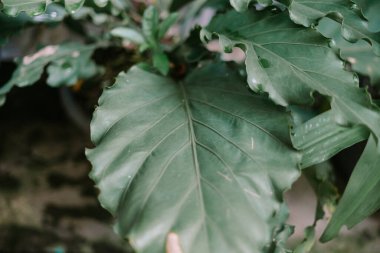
x,y
202,156
363,187
276,64
353,26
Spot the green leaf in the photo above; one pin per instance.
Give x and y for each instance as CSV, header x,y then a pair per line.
x,y
101,3
321,137
35,7
353,27
150,26
73,5
186,164
68,63
361,197
161,62
128,34
290,61
371,10
360,55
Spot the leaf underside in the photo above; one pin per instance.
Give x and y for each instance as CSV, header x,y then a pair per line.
x,y
187,163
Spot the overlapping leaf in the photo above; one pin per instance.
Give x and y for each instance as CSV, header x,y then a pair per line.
x,y
289,62
371,10
321,137
186,164
360,55
35,7
361,197
354,27
68,63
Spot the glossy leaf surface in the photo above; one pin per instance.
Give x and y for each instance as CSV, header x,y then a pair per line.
x,y
186,164
289,61
360,55
321,137
353,26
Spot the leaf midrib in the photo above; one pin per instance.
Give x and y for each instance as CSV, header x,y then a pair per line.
x,y
193,143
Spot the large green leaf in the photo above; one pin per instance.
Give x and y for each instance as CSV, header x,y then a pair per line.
x,y
361,197
290,61
67,63
353,27
186,164
35,7
371,10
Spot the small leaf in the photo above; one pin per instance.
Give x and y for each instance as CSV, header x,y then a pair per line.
x,y
73,5
101,3
161,62
361,197
187,163
128,34
150,26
